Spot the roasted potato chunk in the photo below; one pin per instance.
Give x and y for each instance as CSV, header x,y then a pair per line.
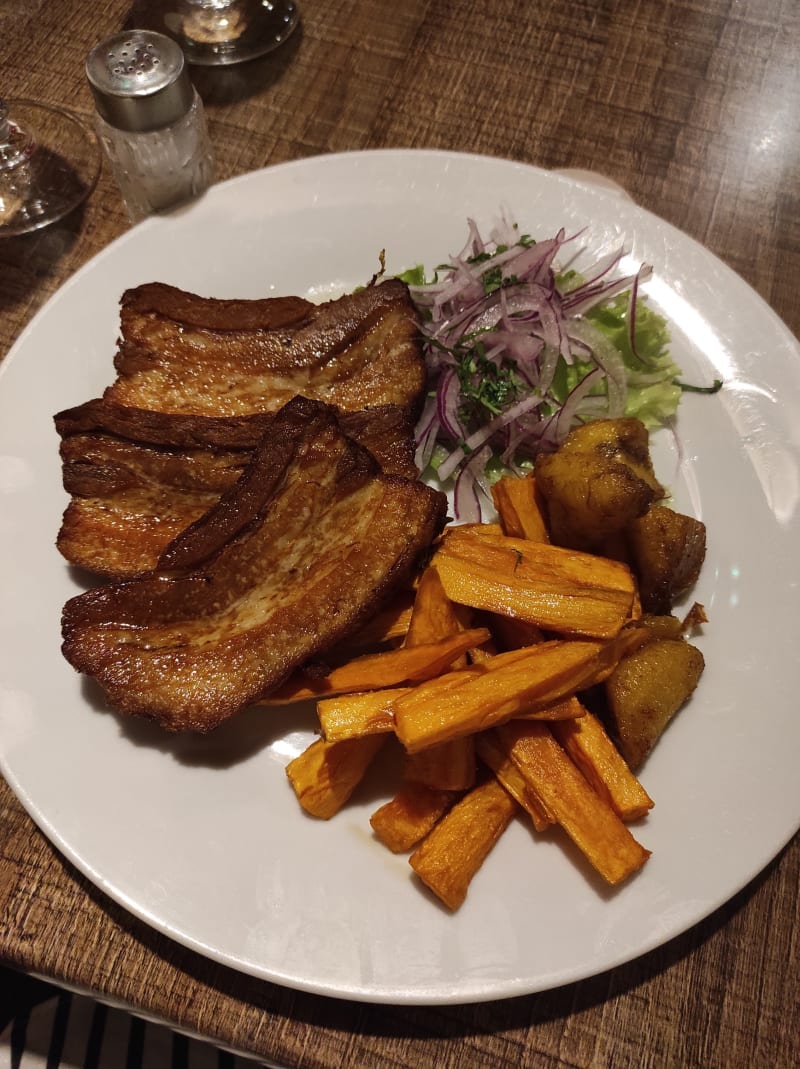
x,y
667,551
598,481
645,691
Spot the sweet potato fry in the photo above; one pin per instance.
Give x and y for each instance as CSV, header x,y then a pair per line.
x,y
448,766
560,590
377,670
484,652
589,821
326,774
349,716
519,509
388,626
401,823
448,858
433,616
493,755
603,766
513,634
565,709
521,681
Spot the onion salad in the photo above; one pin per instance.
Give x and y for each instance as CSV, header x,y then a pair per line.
x,y
520,350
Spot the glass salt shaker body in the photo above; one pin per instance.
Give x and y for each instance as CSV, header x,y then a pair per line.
x,y
150,121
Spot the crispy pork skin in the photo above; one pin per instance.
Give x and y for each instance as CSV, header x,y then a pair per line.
x,y
308,544
214,313
138,478
181,353
160,428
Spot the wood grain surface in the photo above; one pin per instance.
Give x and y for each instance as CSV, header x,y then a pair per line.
x,y
693,107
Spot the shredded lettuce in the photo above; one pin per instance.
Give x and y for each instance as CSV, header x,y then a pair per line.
x,y
653,397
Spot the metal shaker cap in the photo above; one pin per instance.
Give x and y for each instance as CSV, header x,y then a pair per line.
x,y
139,80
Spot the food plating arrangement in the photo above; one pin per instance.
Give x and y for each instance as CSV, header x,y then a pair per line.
x,y
264,488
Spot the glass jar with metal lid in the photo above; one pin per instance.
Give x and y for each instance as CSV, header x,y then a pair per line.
x,y
150,120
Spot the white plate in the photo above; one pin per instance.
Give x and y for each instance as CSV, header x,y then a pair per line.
x,y
202,838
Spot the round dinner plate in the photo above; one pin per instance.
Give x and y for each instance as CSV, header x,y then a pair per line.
x,y
202,837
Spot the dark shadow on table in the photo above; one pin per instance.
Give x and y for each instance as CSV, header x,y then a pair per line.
x,y
26,259
19,993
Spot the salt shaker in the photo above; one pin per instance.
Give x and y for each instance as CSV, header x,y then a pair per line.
x,y
150,121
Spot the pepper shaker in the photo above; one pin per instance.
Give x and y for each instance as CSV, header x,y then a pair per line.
x,y
150,121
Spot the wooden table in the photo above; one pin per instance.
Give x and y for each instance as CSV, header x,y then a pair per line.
x,y
692,106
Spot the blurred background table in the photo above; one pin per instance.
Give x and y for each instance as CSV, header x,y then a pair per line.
x,y
691,106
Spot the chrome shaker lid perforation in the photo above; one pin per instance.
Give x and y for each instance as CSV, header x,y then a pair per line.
x,y
139,80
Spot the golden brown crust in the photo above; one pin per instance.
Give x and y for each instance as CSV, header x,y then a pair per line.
x,y
306,546
668,549
139,478
358,351
270,313
180,430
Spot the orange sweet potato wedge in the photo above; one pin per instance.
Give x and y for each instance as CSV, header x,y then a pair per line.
x,y
405,820
350,716
603,766
560,590
589,821
433,615
495,757
518,682
518,508
449,857
325,775
513,634
449,766
377,670
563,709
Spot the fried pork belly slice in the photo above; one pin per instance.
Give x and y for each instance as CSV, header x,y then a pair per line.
x,y
307,545
139,478
359,351
158,428
387,431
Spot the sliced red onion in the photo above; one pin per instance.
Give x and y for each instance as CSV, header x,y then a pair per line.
x,y
468,488
484,433
610,362
426,432
448,398
526,325
571,407
597,271
580,301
